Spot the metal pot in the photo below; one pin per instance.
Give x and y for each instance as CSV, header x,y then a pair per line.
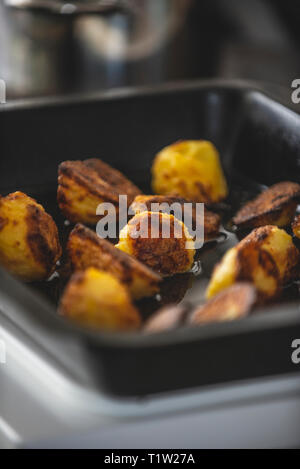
x,y
53,46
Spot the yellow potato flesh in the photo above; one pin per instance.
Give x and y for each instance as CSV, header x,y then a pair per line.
x,y
244,262
97,299
20,254
191,169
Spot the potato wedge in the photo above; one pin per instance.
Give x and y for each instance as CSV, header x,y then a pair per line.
x,y
97,299
211,220
160,241
86,249
190,169
83,185
267,258
29,243
274,206
296,226
113,177
167,317
232,303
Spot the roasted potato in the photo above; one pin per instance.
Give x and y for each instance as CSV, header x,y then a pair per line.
x,y
86,249
211,220
167,317
296,226
232,303
267,258
190,169
29,244
160,241
98,299
83,185
274,206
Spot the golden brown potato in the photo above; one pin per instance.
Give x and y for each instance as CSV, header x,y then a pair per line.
x,y
83,185
29,244
87,249
190,169
274,206
296,226
160,241
211,220
232,303
167,317
113,177
267,258
97,299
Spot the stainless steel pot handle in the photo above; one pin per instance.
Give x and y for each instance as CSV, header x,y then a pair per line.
x,y
73,7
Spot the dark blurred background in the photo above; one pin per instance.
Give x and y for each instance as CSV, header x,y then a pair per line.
x,y
49,47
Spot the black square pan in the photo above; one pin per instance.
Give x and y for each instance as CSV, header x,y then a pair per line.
x,y
255,135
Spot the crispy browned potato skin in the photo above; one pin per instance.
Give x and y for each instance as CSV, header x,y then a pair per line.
x,y
266,257
86,249
167,256
167,317
83,185
275,206
296,226
113,177
211,220
29,242
232,303
97,299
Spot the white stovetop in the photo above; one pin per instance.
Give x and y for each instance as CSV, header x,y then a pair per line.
x,y
39,407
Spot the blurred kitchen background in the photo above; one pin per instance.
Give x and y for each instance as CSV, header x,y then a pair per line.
x,y
51,47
